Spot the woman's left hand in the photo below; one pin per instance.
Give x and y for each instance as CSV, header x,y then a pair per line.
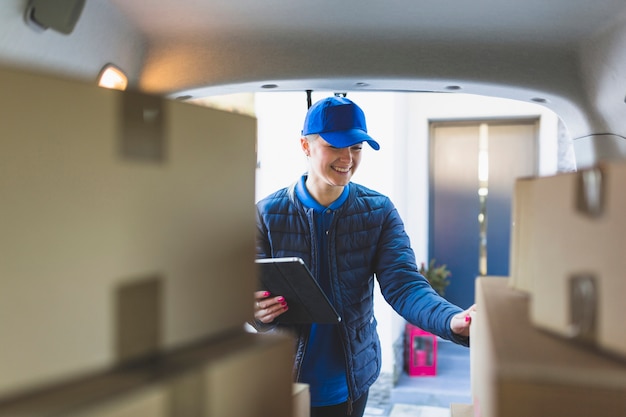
x,y
267,307
460,323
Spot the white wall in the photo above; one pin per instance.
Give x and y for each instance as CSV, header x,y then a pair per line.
x,y
399,121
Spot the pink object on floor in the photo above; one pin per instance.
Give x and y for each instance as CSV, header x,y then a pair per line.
x,y
420,352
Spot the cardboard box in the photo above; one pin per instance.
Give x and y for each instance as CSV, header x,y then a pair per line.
x,y
568,252
244,375
120,237
521,277
461,410
301,400
517,370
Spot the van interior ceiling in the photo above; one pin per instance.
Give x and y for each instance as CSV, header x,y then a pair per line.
x,y
566,55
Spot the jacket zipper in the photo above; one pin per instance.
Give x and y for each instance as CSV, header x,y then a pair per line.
x,y
341,334
305,342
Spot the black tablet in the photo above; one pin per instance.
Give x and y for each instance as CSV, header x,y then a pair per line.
x,y
291,278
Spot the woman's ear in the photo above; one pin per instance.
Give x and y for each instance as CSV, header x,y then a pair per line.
x,y
304,143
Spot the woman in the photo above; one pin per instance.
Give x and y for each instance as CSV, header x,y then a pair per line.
x,y
348,235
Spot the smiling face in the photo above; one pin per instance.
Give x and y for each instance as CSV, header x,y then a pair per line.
x,y
330,168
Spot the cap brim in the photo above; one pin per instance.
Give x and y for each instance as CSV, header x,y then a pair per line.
x,y
345,138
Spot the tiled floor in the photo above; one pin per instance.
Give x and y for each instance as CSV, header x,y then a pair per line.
x,y
424,396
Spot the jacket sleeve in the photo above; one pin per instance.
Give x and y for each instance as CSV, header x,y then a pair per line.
x,y
404,288
263,249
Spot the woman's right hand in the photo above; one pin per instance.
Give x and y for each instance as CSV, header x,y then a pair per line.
x,y
267,308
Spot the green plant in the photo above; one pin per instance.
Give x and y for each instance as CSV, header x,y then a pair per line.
x,y
437,276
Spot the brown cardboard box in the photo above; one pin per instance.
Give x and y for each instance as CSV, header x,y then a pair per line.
x,y
244,375
568,252
301,400
521,235
461,410
116,234
520,371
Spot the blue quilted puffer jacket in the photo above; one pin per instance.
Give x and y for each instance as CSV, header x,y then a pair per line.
x,y
366,240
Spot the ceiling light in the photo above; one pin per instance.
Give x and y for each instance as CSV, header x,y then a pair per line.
x,y
112,77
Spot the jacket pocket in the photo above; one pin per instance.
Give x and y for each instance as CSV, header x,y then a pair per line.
x,y
365,335
366,348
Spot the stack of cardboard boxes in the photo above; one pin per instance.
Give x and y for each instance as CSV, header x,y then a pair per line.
x,y
550,340
127,268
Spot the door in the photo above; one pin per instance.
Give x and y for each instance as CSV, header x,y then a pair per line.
x,y
474,165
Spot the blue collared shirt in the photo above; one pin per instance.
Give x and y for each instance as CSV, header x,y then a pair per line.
x,y
324,367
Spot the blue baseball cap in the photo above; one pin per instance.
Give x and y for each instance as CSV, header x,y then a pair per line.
x,y
339,121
